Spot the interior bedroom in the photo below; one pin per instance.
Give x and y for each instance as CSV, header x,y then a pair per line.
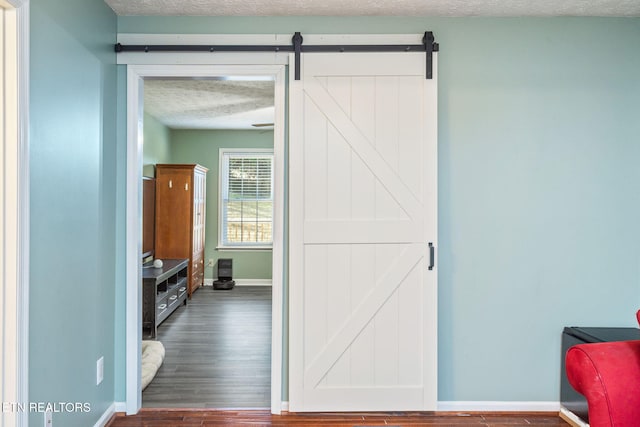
x,y
207,221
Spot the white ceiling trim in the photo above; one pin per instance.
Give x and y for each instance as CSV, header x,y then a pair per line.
x,y
223,39
203,58
267,39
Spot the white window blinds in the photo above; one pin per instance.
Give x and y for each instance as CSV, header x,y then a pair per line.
x,y
246,198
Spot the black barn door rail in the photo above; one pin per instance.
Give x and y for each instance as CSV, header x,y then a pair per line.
x,y
428,46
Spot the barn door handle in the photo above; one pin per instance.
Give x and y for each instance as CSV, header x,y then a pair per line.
x,y
432,255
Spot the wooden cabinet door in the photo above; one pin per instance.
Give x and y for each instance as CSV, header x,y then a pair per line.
x,y
173,213
180,211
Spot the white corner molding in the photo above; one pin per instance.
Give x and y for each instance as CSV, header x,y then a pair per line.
x,y
24,186
14,217
133,246
497,406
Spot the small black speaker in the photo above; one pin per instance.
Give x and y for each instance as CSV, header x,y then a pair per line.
x,y
225,275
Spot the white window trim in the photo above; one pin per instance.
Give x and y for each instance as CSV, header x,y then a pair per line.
x,y
221,243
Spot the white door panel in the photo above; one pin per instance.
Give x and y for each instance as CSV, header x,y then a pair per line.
x,y
363,205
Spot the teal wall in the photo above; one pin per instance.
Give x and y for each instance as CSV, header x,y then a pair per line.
x,y
201,146
539,189
156,145
73,196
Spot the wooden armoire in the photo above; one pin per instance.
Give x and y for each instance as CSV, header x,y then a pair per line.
x,y
180,217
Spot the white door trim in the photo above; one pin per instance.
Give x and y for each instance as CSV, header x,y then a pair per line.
x,y
135,76
14,217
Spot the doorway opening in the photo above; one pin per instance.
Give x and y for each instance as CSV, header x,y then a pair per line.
x,y
217,79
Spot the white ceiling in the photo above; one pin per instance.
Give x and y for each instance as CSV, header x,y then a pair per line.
x,y
377,7
209,104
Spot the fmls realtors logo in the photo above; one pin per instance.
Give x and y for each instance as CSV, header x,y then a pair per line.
x,y
56,407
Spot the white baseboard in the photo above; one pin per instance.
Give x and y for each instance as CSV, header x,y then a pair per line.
x,y
244,282
106,416
487,406
120,406
490,406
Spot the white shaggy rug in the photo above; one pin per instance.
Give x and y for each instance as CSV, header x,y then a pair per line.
x,y
152,358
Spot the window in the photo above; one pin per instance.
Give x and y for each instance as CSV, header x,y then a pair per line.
x,y
246,198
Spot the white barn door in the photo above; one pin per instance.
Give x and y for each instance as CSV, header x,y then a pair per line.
x,y
363,210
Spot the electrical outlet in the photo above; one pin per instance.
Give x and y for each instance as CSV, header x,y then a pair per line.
x,y
210,262
48,419
99,370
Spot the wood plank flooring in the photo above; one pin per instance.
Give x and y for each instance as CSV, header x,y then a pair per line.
x,y
218,352
159,418
218,356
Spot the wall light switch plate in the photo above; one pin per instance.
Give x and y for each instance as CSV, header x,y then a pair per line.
x,y
99,370
48,419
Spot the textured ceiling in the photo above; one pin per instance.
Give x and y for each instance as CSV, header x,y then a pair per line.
x,y
377,7
209,104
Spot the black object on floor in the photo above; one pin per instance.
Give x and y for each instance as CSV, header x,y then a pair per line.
x,y
225,275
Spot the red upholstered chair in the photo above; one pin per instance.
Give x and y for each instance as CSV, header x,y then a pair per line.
x,y
608,375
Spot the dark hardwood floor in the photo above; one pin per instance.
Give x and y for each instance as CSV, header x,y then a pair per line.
x,y
218,356
218,352
153,418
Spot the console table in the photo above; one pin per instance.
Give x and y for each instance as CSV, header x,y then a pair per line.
x,y
163,289
573,405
